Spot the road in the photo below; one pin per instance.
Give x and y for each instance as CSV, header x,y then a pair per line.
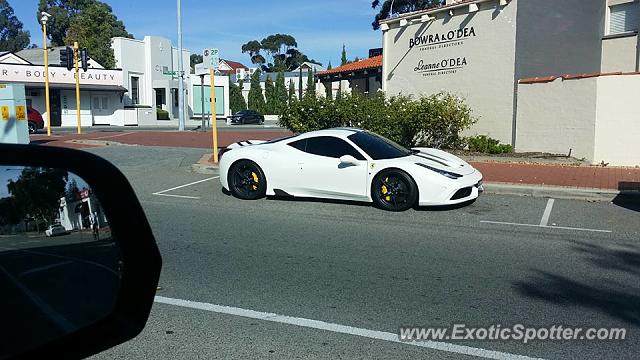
x,y
348,275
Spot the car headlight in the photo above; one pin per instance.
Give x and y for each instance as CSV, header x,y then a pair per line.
x,y
448,174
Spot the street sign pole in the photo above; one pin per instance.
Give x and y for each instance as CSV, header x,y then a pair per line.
x,y
214,125
76,51
202,99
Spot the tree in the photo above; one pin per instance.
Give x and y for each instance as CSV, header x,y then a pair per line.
x,y
236,100
344,60
12,37
90,22
275,53
329,67
281,94
292,91
256,99
399,7
195,59
270,96
300,85
37,191
311,84
328,89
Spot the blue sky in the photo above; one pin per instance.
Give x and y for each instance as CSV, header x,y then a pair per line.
x,y
320,27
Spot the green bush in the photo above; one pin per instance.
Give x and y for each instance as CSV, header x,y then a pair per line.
x,y
435,121
487,145
162,114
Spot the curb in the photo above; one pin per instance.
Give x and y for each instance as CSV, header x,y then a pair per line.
x,y
557,192
203,166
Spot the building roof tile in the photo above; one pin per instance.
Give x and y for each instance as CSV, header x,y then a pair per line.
x,y
370,63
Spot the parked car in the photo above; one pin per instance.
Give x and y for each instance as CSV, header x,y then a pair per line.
x,y
247,117
348,164
55,230
35,120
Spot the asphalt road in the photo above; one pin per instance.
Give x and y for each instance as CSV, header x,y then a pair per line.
x,y
353,265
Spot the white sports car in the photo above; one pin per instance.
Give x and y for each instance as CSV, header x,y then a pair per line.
x,y
348,164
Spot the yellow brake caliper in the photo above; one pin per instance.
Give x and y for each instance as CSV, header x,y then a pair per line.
x,y
255,180
384,190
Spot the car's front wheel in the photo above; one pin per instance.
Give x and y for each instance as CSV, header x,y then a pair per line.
x,y
394,190
32,127
246,180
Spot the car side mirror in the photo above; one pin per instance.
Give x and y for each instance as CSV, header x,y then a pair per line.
x,y
349,160
79,265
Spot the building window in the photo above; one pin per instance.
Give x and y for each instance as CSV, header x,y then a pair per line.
x,y
135,90
624,18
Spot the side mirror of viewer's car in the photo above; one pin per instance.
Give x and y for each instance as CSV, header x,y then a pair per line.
x,y
79,265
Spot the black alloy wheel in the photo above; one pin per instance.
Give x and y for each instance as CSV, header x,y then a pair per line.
x,y
246,180
394,190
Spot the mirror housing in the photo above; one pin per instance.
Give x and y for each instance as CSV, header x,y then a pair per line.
x,y
349,160
139,253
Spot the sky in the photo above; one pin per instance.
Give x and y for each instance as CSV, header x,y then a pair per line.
x,y
320,27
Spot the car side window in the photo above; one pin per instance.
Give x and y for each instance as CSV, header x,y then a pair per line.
x,y
330,146
300,145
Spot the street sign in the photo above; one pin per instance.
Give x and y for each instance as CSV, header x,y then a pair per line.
x,y
211,58
170,73
201,70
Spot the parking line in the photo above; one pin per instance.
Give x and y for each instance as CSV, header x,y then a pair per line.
x,y
163,192
544,226
547,213
341,329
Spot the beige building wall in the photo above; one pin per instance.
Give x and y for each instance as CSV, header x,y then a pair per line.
x,y
557,116
617,140
476,63
620,54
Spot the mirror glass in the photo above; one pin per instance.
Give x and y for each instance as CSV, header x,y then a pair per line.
x,y
60,268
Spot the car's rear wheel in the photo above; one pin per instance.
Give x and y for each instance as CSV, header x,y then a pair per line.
x,y
246,180
32,127
394,190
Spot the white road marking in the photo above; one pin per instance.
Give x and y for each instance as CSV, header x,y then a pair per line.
x,y
547,213
179,196
337,328
545,226
163,192
111,136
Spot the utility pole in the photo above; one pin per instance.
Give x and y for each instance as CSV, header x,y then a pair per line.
x,y
180,72
214,113
45,17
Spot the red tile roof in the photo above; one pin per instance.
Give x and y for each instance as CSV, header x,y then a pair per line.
x,y
235,65
370,63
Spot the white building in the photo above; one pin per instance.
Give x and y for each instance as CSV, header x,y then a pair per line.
x,y
150,68
101,98
547,75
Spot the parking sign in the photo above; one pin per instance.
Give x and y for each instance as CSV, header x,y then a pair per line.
x,y
211,58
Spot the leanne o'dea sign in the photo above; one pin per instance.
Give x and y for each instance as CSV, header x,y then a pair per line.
x,y
432,64
58,75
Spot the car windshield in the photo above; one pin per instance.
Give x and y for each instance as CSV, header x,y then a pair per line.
x,y
378,147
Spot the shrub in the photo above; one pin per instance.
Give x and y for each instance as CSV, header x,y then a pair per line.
x,y
485,144
236,100
162,114
435,120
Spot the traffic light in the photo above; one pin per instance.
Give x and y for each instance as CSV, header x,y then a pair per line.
x,y
84,59
66,58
